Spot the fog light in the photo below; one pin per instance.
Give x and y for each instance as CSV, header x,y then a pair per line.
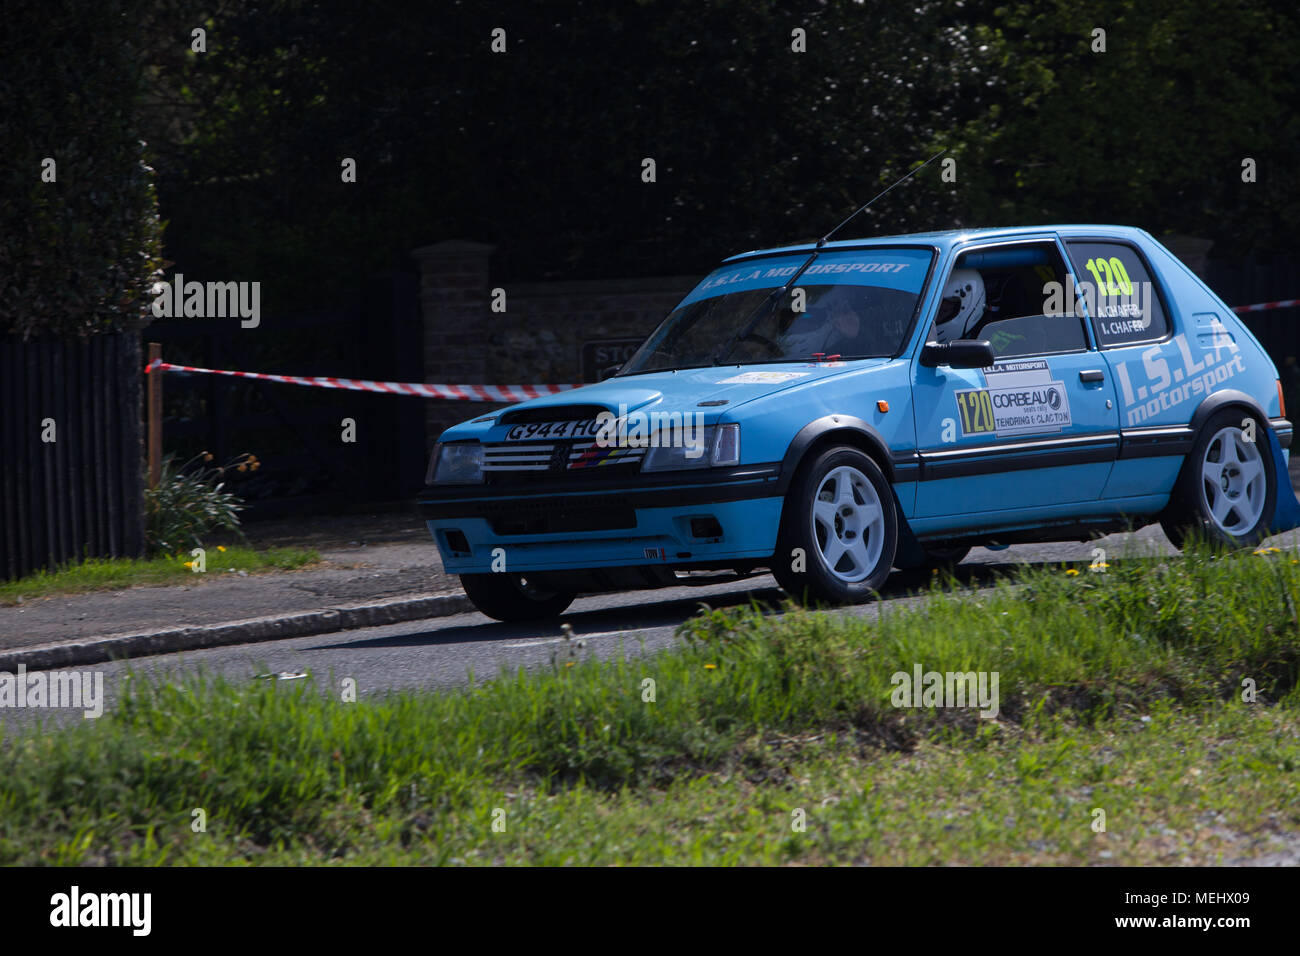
x,y
456,541
706,528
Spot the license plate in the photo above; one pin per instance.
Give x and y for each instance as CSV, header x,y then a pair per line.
x,y
539,430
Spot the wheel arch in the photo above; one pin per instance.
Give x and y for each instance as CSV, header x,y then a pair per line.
x,y
853,431
1222,401
831,430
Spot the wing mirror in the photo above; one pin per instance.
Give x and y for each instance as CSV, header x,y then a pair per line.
x,y
959,353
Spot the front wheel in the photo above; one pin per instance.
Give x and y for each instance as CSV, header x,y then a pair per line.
x,y
1227,490
839,530
511,597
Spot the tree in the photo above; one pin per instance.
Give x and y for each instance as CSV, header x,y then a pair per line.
x,y
79,228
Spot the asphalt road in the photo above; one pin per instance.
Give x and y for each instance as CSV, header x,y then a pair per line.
x,y
450,651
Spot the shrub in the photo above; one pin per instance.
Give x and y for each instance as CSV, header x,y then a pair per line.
x,y
191,501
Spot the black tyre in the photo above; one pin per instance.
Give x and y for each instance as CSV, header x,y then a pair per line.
x,y
510,597
1227,490
839,530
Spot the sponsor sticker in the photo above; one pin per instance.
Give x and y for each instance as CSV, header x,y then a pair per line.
x,y
1022,398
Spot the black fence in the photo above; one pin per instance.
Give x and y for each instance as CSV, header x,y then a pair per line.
x,y
1266,279
71,478
298,432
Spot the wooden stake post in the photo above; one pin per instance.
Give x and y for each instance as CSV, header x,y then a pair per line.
x,y
155,413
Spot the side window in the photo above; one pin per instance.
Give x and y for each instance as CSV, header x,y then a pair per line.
x,y
1002,294
1114,282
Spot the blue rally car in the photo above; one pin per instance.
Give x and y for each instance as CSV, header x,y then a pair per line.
x,y
832,412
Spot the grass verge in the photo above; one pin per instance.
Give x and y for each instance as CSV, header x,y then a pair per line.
x,y
1120,691
103,574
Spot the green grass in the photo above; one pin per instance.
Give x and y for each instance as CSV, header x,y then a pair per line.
x,y
101,574
752,718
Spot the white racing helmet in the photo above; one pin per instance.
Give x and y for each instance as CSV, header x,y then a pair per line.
x,y
962,305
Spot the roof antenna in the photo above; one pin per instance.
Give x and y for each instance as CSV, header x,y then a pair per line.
x,y
778,293
824,239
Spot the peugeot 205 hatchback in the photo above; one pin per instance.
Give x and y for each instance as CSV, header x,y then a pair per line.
x,y
832,412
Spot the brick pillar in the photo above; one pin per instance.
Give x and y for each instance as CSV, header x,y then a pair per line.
x,y
455,310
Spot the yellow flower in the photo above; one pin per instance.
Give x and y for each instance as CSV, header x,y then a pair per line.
x,y
710,667
568,663
189,564
221,547
1072,571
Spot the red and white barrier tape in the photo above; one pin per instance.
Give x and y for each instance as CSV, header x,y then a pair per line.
x,y
1265,306
479,393
469,393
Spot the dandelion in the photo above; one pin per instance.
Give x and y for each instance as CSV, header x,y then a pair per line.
x,y
189,564
568,663
221,547
1071,572
710,667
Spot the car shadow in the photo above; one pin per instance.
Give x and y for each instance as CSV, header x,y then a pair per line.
x,y
667,612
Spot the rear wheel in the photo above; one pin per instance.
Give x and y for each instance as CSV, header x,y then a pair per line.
x,y
511,597
1226,490
839,530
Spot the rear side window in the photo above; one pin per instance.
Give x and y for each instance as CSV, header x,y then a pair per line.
x,y
1121,298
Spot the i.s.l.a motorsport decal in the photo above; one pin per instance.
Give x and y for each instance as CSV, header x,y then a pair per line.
x,y
1021,398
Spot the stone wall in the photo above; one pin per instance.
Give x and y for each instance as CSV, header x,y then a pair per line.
x,y
537,340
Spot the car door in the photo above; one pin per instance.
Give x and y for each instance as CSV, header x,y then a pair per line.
x,y
1163,369
1034,436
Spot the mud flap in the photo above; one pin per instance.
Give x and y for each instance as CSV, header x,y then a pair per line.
x,y
1286,512
909,553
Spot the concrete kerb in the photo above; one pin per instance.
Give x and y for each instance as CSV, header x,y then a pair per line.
x,y
252,631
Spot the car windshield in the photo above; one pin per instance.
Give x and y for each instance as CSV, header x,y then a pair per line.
x,y
855,304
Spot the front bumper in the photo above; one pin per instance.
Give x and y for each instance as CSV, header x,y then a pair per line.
x,y
646,520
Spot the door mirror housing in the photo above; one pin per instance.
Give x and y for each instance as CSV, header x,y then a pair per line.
x,y
959,353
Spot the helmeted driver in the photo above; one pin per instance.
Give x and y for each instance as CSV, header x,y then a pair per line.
x,y
962,305
831,325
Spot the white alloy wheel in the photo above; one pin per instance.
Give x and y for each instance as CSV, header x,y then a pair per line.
x,y
849,523
1233,483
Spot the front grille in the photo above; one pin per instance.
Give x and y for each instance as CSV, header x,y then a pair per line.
x,y
517,462
517,456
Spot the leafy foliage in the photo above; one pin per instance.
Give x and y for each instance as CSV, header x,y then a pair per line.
x,y
536,150
191,501
78,255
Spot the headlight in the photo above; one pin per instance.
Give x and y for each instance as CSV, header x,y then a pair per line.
x,y
456,463
719,445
